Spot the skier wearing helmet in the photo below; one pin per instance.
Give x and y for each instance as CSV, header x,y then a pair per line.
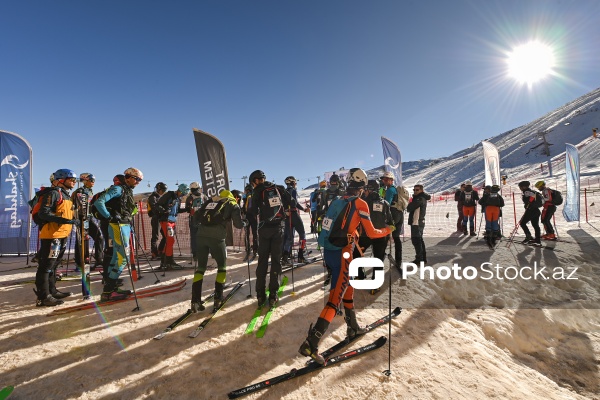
x,y
193,203
338,259
390,194
117,205
315,197
85,193
55,210
168,208
293,223
160,189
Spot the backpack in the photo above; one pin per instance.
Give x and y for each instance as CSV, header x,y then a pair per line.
x,y
149,209
36,204
271,207
539,200
334,232
557,198
93,209
402,201
211,212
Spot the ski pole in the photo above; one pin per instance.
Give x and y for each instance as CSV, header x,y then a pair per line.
x,y
291,239
513,233
248,264
145,254
388,371
479,230
137,308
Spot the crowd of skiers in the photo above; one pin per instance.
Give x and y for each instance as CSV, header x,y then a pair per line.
x,y
349,217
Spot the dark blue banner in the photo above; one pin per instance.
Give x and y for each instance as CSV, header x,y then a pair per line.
x,y
15,191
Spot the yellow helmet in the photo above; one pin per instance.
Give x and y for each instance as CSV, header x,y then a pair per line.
x,y
540,184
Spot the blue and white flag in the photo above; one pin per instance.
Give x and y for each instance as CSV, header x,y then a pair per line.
x,y
572,205
15,191
392,160
491,159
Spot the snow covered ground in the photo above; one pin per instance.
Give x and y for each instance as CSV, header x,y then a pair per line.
x,y
454,339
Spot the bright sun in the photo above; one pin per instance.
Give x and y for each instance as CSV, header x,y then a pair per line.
x,y
530,62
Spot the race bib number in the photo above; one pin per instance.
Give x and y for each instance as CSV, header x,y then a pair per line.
x,y
211,206
467,197
327,222
378,207
274,202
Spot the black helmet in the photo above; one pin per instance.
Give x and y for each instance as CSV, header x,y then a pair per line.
x,y
495,188
524,184
334,179
248,188
236,193
258,174
290,180
372,185
161,186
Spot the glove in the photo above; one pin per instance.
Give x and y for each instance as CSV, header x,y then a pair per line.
x,y
392,228
75,222
245,222
116,218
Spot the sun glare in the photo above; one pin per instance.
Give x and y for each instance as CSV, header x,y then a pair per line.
x,y
530,62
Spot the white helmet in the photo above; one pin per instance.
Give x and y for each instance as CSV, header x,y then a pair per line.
x,y
357,178
133,172
388,174
468,183
194,185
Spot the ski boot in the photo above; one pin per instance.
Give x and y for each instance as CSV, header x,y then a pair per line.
x,y
170,263
301,259
527,240
57,294
353,329
273,299
465,231
197,305
218,299
49,301
472,233
112,292
535,242
262,299
310,347
285,258
549,236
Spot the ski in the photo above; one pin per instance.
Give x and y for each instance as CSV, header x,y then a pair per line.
x,y
149,292
294,373
265,322
5,392
256,315
185,315
346,341
173,325
298,265
208,319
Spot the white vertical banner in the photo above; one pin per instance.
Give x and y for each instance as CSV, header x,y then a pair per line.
x,y
491,159
572,206
392,159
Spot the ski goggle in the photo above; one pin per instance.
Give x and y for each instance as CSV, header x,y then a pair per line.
x,y
135,178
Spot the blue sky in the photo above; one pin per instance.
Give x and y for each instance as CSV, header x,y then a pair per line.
x,y
290,87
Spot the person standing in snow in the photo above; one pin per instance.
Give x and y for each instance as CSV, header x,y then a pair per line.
x,y
293,223
269,202
390,194
315,196
548,210
117,205
469,198
193,203
416,219
532,200
85,193
56,213
168,206
210,221
251,251
492,202
159,190
341,291
459,206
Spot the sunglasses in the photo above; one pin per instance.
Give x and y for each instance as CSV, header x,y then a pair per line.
x,y
135,178
71,179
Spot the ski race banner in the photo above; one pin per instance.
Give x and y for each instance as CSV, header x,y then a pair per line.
x,y
15,191
571,208
392,160
213,168
491,160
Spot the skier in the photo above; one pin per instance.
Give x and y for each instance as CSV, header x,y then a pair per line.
x,y
548,210
390,194
315,196
269,202
57,216
168,206
251,251
160,189
193,203
328,195
293,223
416,219
86,192
118,205
532,200
459,207
381,217
336,259
469,199
492,202
210,222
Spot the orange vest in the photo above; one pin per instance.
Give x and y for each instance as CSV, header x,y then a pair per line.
x,y
54,230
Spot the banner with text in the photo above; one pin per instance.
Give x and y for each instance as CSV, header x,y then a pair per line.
x,y
571,208
15,191
491,159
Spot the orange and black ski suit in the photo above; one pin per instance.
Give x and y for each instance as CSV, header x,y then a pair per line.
x,y
340,290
